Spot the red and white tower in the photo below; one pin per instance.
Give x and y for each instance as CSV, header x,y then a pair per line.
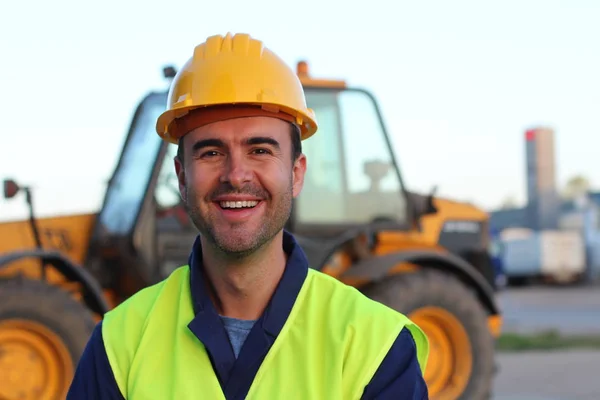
x,y
542,196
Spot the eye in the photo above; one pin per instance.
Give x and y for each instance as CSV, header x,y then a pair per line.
x,y
208,154
261,151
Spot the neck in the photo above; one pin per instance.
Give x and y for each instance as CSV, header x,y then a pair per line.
x,y
242,287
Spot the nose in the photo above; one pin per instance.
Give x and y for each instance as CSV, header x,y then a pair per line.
x,y
236,171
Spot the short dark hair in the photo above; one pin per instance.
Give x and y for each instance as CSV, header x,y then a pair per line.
x,y
296,144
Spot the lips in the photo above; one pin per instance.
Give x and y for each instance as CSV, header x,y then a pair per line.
x,y
239,205
239,211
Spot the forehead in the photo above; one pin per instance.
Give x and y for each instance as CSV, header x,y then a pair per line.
x,y
238,129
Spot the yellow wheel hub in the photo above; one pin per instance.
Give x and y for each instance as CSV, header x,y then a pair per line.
x,y
450,358
34,361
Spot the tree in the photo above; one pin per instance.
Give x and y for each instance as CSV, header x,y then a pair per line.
x,y
508,203
576,186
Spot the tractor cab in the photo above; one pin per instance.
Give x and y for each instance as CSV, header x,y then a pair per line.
x,y
352,184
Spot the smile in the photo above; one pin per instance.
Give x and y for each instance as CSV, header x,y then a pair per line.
x,y
238,204
237,211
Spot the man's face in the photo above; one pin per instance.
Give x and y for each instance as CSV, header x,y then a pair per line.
x,y
238,181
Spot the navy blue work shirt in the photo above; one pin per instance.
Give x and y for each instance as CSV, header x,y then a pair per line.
x,y
398,377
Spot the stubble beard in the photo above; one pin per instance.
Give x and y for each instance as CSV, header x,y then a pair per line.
x,y
240,241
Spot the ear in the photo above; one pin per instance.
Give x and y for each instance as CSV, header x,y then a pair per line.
x,y
180,171
298,172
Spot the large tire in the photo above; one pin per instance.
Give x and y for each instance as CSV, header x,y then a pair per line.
x,y
43,332
462,348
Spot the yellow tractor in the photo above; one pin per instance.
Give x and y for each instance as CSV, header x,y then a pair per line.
x,y
356,220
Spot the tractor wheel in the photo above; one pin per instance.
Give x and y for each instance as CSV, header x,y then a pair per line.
x,y
43,332
461,359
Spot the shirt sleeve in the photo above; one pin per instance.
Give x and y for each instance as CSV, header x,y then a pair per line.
x,y
94,379
399,376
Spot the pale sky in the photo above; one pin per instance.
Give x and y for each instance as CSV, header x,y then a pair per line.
x,y
458,83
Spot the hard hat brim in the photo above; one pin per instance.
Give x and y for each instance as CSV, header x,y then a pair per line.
x,y
173,124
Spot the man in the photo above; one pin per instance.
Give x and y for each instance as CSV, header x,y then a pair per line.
x,y
247,318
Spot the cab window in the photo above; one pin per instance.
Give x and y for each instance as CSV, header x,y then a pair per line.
x,y
350,178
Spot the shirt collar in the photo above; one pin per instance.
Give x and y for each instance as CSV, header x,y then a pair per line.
x,y
280,305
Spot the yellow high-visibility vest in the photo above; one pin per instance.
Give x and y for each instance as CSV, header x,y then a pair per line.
x,y
329,347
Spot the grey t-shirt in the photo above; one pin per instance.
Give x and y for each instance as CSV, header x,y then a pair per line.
x,y
237,330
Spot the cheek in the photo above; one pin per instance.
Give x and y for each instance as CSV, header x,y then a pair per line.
x,y
201,181
276,180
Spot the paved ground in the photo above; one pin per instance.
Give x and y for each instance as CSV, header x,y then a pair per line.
x,y
564,375
551,375
568,309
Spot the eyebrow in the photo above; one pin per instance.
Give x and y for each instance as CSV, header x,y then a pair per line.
x,y
200,144
263,140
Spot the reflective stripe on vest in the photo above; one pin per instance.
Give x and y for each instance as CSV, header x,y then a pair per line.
x,y
329,348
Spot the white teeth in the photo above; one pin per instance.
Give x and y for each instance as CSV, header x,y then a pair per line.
x,y
238,204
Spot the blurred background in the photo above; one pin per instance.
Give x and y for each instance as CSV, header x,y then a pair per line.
x,y
495,103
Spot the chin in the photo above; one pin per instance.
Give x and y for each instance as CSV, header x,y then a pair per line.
x,y
230,241
239,238
242,241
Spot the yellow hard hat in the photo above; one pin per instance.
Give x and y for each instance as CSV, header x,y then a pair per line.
x,y
230,77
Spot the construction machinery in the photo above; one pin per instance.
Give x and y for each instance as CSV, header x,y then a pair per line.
x,y
422,255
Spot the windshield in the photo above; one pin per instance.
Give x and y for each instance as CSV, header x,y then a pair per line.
x,y
130,181
351,177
